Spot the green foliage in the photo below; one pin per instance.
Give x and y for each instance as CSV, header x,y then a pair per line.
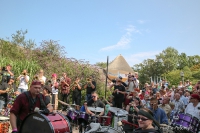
x,y
101,64
49,56
168,64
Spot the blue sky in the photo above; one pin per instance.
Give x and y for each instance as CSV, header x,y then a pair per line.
x,y
95,29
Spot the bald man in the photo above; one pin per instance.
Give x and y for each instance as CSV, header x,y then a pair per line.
x,y
179,105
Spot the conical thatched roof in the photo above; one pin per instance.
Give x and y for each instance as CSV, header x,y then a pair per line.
x,y
119,65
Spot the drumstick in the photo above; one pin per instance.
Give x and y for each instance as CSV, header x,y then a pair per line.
x,y
64,103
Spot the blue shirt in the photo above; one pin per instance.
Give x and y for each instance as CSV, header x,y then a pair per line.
x,y
160,116
82,109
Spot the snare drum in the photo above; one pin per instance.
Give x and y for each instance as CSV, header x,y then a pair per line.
x,y
40,123
72,114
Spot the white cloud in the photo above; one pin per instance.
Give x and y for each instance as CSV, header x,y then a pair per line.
x,y
141,21
139,57
124,41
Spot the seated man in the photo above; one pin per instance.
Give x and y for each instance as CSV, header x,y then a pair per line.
x,y
85,109
159,114
95,102
165,106
25,103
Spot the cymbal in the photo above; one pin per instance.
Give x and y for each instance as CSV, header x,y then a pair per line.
x,y
104,116
97,109
118,111
74,104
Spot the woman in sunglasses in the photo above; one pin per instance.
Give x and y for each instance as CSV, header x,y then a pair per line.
x,y
147,123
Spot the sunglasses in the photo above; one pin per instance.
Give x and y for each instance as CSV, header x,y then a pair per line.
x,y
142,119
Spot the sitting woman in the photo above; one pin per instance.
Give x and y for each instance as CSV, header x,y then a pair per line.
x,y
105,117
147,123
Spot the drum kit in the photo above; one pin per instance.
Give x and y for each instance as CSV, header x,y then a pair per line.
x,y
83,120
185,123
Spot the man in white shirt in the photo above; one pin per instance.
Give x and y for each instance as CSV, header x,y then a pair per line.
x,y
23,81
192,107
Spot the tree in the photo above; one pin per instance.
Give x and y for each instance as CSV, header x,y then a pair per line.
x,y
101,64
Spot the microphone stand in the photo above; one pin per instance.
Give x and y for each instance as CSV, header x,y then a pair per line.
x,y
117,119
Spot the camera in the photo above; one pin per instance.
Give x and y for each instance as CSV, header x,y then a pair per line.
x,y
198,108
3,69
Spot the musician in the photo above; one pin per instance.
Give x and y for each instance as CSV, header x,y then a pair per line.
x,y
90,87
23,81
146,121
65,87
47,90
41,77
54,86
6,73
76,95
25,103
118,93
4,89
95,102
193,107
84,108
159,114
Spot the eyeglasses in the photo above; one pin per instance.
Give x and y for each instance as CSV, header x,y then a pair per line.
x,y
142,119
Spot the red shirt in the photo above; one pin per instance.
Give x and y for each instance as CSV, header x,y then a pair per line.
x,y
21,106
67,80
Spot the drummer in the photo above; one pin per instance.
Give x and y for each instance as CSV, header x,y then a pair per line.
x,y
84,108
193,107
95,102
26,103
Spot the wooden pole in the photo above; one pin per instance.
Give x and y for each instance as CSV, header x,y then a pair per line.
x,y
106,76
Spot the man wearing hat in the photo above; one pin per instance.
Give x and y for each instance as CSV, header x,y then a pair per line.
x,y
194,105
26,103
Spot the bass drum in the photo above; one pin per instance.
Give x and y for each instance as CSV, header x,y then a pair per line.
x,y
40,123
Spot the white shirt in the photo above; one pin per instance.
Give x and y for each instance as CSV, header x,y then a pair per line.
x,y
194,111
130,87
42,79
22,83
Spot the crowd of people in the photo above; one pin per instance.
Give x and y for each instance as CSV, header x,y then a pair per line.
x,y
150,106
